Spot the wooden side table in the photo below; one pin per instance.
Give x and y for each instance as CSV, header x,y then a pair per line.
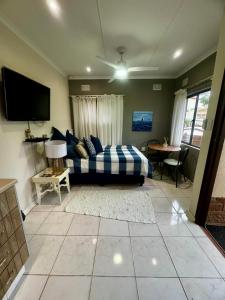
x,y
55,181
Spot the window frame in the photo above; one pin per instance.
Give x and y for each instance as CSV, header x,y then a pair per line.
x,y
194,94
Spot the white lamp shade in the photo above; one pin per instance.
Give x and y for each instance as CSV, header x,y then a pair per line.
x,y
55,149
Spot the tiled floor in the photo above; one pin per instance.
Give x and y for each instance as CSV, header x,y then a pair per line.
x,y
90,258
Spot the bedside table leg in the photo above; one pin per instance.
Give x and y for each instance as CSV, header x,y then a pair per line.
x,y
57,188
38,190
68,183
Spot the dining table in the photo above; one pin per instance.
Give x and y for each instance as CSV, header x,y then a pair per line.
x,y
163,148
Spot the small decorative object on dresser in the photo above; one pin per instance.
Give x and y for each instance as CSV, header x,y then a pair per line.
x,y
55,181
13,247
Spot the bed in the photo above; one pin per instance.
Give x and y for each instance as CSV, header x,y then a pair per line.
x,y
116,164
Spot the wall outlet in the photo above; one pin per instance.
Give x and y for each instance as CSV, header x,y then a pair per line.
x,y
185,81
85,87
157,87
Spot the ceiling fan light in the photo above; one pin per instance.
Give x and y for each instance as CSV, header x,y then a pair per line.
x,y
121,73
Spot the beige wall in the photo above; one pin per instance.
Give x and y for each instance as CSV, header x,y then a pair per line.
x,y
19,160
219,186
216,86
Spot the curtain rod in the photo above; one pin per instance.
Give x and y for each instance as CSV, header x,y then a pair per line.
x,y
97,95
199,82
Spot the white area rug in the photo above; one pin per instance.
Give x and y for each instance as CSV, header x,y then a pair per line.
x,y
120,203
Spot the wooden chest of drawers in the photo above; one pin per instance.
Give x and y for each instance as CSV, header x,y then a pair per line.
x,y
13,247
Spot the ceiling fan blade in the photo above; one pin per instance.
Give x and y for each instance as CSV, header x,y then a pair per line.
x,y
140,69
108,63
111,80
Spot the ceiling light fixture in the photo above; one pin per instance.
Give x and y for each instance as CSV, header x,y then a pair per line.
x,y
121,73
88,69
54,8
177,53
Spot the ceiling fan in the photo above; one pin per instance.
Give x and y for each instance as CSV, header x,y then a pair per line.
x,y
121,68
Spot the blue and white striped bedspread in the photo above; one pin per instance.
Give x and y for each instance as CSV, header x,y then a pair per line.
x,y
123,160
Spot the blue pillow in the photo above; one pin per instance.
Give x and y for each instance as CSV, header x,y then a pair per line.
x,y
71,138
57,135
97,144
90,147
71,153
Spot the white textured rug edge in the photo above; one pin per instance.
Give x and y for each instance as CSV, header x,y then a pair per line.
x,y
124,205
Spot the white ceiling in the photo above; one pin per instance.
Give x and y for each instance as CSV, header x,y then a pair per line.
x,y
151,30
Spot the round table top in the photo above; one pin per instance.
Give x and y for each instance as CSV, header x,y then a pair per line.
x,y
160,147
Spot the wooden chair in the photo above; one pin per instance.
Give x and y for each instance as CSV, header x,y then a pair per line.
x,y
175,164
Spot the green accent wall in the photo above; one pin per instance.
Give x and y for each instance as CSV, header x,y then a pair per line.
x,y
138,96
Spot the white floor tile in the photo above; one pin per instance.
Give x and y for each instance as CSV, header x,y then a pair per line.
x,y
57,223
213,253
29,237
160,288
204,289
113,227
76,256
155,191
189,259
43,251
172,225
151,257
43,208
113,288
84,225
162,205
194,228
180,204
113,257
67,288
33,221
141,229
30,287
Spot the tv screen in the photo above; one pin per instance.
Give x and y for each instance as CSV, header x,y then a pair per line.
x,y
25,99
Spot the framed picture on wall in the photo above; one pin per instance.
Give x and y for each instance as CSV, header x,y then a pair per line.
x,y
142,121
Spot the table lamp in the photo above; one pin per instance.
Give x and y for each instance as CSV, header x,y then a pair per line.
x,y
56,150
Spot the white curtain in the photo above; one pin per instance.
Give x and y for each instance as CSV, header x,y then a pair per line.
x,y
110,118
179,111
100,116
84,115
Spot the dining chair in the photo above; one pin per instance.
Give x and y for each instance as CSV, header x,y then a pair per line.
x,y
152,155
176,164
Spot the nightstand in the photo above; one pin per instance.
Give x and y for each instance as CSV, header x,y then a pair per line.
x,y
52,181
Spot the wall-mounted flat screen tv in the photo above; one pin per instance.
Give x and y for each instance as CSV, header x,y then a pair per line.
x,y
25,99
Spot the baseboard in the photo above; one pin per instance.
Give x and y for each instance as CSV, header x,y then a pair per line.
x,y
29,208
16,281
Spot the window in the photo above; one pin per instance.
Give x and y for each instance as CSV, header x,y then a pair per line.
x,y
196,111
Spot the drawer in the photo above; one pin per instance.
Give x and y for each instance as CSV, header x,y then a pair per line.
x,y
2,293
8,275
5,256
4,209
24,254
4,278
3,234
20,236
11,198
8,225
16,218
18,262
13,244
12,271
